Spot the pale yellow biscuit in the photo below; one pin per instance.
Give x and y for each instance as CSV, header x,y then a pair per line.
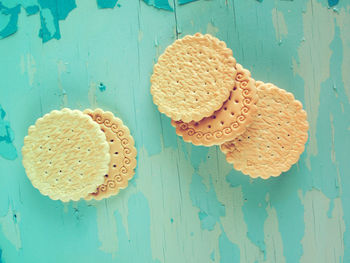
x,y
230,121
276,137
65,155
122,151
193,77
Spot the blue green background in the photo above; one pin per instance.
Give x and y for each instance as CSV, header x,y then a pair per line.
x,y
185,204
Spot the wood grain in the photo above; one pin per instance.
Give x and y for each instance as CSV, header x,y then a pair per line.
x,y
185,203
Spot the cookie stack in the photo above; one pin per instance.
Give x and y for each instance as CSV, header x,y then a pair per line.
x,y
212,100
69,155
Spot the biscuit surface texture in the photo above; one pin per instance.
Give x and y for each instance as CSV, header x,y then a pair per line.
x,y
230,121
276,137
65,155
122,151
193,77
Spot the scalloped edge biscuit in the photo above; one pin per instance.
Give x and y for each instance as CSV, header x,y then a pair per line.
x,y
230,121
193,77
271,145
122,151
65,155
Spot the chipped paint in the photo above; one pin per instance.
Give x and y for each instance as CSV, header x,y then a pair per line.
x,y
183,2
106,3
10,227
107,228
332,2
160,4
323,240
11,15
61,69
7,149
273,239
229,251
279,24
343,23
92,95
211,29
51,12
210,209
315,48
185,204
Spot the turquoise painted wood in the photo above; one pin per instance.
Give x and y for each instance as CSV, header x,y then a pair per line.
x,y
185,204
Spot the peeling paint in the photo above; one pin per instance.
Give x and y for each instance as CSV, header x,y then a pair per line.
x,y
279,24
7,149
12,15
333,2
54,11
160,4
180,191
212,256
343,23
92,95
137,237
229,251
61,69
211,29
51,12
273,239
315,48
210,208
10,228
32,10
28,65
323,240
254,209
106,3
183,2
107,228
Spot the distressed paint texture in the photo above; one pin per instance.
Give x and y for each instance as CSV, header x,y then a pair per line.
x,y
106,3
185,204
7,149
10,228
51,12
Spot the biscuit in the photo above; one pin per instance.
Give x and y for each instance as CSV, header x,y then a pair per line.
x,y
193,78
230,121
122,152
65,155
276,137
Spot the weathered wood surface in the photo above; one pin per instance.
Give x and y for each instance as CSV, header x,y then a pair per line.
x,y
185,204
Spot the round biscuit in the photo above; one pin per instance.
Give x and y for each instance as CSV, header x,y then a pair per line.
x,y
122,151
230,121
193,77
65,155
276,137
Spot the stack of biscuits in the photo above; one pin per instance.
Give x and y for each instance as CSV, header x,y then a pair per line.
x,y
212,100
69,155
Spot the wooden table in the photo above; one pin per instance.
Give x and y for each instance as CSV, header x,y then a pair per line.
x,y
185,204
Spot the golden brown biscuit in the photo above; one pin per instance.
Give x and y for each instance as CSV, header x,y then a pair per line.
x,y
230,121
122,151
193,77
274,140
65,155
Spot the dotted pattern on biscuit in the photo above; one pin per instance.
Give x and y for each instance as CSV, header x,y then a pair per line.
x,y
230,121
274,140
193,77
122,152
65,155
